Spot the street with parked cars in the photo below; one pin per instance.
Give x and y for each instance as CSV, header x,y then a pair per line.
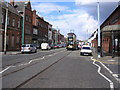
x,y
56,68
60,45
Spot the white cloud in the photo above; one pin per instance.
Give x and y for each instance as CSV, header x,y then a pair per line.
x,y
88,2
47,8
79,20
83,24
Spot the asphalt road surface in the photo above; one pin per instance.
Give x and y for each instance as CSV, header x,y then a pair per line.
x,y
56,69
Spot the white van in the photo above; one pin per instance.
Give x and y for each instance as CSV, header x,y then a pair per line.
x,y
45,46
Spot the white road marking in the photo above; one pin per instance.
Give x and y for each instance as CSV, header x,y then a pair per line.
x,y
5,69
99,69
107,69
50,55
115,75
27,62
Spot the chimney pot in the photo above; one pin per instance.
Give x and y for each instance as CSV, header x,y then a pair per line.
x,y
12,2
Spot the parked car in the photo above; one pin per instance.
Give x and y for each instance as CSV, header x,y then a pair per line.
x,y
45,46
86,50
37,46
28,48
56,46
52,46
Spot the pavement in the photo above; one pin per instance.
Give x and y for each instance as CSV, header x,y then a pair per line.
x,y
10,53
107,59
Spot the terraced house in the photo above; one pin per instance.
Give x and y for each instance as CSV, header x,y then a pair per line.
x,y
24,8
13,27
41,30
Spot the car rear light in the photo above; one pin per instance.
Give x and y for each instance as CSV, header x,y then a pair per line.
x,y
29,48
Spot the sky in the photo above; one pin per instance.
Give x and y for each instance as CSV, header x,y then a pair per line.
x,y
78,16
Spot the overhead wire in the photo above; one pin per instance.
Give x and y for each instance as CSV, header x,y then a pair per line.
x,y
62,16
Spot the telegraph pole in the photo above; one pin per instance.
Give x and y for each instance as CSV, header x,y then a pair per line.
x,y
99,47
5,32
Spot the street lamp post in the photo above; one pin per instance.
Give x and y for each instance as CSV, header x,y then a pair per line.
x,y
99,48
23,22
5,32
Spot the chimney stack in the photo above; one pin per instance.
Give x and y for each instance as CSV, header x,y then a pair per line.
x,y
34,12
12,2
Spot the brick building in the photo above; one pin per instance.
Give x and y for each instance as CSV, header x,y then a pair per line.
x,y
13,37
40,29
55,36
110,36
62,39
110,33
1,26
43,26
50,41
24,7
36,31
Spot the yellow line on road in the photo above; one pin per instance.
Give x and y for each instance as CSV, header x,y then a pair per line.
x,y
104,61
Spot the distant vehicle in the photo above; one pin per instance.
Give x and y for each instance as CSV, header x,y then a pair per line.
x,y
60,45
28,48
56,46
86,50
79,46
52,46
37,46
71,42
45,46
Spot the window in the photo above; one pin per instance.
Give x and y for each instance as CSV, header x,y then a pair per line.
x,y
30,20
115,20
27,17
18,40
13,22
2,18
18,24
86,48
28,29
37,23
8,21
35,31
12,42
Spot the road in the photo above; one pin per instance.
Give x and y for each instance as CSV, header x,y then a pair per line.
x,y
55,69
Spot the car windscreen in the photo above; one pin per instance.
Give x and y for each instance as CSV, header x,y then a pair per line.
x,y
25,45
86,48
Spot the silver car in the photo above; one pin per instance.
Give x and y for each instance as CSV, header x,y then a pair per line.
x,y
28,48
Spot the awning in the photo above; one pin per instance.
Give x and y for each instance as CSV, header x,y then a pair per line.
x,y
110,28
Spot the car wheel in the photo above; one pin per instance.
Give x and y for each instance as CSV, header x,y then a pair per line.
x,y
35,51
81,54
91,54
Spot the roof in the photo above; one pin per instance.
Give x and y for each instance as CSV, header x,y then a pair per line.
x,y
10,7
21,5
111,28
116,10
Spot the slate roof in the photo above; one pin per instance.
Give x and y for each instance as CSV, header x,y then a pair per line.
x,y
21,5
10,7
